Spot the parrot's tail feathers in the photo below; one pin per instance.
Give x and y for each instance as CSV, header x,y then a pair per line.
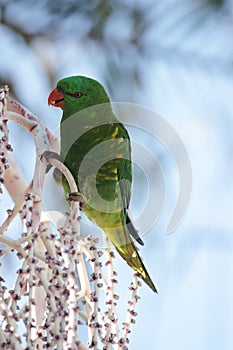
x,y
132,230
130,254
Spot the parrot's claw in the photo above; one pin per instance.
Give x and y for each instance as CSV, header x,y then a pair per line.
x,y
50,155
78,197
48,167
57,174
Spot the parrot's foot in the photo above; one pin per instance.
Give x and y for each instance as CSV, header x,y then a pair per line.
x,y
78,197
50,155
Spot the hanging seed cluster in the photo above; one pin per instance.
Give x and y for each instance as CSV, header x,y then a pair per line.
x,y
64,294
4,144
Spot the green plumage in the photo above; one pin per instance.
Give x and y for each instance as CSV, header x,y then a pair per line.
x,y
95,146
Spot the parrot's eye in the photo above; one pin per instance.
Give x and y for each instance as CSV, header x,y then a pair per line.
x,y
77,94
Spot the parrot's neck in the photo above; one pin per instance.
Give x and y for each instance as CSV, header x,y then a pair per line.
x,y
96,114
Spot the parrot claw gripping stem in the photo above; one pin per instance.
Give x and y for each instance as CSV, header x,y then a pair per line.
x,y
51,155
78,197
48,155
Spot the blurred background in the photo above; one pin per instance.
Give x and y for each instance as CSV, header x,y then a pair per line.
x,y
174,57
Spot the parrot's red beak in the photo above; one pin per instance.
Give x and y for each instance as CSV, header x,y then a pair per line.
x,y
56,98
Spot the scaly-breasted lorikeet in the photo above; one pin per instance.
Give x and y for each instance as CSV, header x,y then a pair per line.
x,y
95,147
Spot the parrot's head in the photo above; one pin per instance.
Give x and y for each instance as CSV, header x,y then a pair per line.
x,y
75,93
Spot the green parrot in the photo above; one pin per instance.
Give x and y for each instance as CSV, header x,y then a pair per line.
x,y
95,147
